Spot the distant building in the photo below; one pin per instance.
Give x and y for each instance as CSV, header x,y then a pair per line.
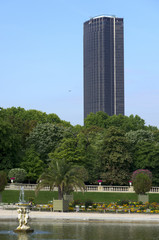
x,y
104,65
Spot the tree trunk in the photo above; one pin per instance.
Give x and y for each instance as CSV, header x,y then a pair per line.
x,y
0,196
60,193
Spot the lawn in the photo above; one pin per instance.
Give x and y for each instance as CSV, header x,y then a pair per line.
x,y
43,197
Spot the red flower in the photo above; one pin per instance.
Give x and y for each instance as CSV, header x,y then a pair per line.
x,y
99,180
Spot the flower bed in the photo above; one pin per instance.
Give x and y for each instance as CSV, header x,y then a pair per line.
x,y
119,207
42,207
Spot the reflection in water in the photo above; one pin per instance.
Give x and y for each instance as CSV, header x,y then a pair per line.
x,y
23,236
82,231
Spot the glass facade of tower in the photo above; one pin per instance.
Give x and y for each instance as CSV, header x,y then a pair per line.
x,y
104,65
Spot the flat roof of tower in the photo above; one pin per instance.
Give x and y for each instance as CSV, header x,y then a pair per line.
x,y
101,16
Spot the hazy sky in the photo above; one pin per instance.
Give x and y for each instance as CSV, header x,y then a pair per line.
x,y
41,55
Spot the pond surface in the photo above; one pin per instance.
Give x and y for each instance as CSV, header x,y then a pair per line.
x,y
81,231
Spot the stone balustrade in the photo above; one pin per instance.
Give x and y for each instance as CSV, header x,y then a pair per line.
x,y
89,188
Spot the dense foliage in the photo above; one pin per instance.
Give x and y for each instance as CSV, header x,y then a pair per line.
x,y
108,147
143,171
3,180
142,183
18,174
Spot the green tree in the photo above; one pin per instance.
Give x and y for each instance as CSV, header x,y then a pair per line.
x,y
140,135
146,156
68,149
80,147
16,124
10,148
156,135
18,173
25,120
142,184
142,181
115,157
89,143
96,119
125,123
63,175
32,163
45,137
3,183
14,115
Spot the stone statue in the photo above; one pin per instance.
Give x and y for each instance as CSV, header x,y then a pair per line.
x,y
23,215
20,217
26,216
21,195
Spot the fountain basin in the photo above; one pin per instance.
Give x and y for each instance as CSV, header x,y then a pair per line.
x,y
23,230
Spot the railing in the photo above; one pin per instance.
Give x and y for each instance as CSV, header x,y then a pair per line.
x,y
102,188
32,187
115,188
154,190
89,188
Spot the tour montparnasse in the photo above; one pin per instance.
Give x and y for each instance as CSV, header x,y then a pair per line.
x,y
104,65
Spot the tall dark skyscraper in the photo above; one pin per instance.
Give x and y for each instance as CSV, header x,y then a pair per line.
x,y
104,65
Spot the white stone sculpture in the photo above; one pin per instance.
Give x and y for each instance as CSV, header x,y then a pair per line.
x,y
23,215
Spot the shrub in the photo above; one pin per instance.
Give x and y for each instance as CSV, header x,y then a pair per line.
x,y
142,183
3,180
144,171
18,173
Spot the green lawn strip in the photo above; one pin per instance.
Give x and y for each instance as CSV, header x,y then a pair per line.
x,y
154,197
43,197
105,197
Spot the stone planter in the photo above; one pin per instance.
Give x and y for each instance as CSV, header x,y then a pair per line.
x,y
60,205
143,198
68,197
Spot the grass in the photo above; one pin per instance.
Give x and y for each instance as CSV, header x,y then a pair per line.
x,y
12,196
43,197
105,197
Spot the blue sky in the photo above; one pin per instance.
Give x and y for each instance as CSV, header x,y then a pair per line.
x,y
41,55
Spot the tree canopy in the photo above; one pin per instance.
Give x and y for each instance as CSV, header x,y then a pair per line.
x,y
45,138
116,160
108,147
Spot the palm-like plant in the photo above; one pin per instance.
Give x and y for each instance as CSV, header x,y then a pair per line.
x,y
63,175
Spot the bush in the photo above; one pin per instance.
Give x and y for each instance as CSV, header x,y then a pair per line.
x,y
18,173
3,180
142,183
144,171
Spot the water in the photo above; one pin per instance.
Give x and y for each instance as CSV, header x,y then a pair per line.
x,y
51,230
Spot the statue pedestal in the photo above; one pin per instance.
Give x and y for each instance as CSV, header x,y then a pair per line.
x,y
23,230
